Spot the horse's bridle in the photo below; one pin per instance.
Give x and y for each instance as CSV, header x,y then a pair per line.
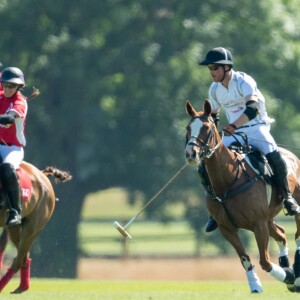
x,y
205,150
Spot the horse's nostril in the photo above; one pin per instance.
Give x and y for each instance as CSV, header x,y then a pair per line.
x,y
191,154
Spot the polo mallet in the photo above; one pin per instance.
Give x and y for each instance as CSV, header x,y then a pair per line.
x,y
122,229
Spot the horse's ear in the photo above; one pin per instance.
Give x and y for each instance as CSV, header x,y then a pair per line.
x,y
207,107
190,109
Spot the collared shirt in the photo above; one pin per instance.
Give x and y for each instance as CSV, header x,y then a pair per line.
x,y
233,99
13,134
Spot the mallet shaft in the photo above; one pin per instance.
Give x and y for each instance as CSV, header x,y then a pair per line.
x,y
121,229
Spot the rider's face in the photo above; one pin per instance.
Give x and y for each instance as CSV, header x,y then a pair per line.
x,y
9,89
216,72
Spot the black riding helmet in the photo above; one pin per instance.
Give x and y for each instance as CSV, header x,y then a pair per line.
x,y
13,75
218,56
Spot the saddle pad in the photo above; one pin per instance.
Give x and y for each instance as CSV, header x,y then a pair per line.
x,y
268,185
26,184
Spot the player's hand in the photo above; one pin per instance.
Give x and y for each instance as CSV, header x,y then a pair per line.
x,y
229,129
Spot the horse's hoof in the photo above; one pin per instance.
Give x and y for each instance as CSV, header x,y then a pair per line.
x,y
291,288
18,291
296,289
290,276
297,284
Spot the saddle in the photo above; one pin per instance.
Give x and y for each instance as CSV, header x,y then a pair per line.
x,y
256,159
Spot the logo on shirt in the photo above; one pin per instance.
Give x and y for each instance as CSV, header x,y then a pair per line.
x,y
237,110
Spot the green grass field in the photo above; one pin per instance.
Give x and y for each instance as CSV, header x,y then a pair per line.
x,y
100,238
146,290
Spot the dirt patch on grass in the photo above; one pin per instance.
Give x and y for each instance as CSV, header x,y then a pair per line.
x,y
166,269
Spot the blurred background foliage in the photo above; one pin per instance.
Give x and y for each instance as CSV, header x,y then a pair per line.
x,y
114,76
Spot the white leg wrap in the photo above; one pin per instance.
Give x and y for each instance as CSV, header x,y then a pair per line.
x,y
283,249
254,282
277,272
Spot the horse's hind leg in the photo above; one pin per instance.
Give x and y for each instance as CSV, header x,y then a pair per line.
x,y
277,232
285,275
232,237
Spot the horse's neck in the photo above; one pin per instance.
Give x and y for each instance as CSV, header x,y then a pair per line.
x,y
222,168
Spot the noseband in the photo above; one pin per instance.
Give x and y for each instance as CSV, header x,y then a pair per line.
x,y
206,150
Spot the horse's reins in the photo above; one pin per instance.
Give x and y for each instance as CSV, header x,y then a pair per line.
x,y
263,141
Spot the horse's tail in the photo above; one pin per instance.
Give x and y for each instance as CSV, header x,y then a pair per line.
x,y
60,176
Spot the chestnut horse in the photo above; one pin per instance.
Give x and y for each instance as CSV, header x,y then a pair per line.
x,y
37,209
242,199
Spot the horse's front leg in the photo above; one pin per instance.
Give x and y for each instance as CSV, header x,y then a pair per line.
x,y
21,261
14,234
261,233
231,235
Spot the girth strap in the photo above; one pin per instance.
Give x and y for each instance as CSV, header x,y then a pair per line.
x,y
231,194
240,189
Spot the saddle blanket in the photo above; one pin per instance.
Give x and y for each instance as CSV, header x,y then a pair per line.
x,y
26,184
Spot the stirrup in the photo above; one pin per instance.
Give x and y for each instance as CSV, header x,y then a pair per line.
x,y
13,218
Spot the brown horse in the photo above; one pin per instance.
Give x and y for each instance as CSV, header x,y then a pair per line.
x,y
242,199
37,207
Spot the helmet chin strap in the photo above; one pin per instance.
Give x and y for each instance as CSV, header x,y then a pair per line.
x,y
225,71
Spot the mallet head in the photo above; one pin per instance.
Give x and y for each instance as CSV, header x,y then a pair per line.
x,y
121,229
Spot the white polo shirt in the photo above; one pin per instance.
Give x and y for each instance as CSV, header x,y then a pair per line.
x,y
232,99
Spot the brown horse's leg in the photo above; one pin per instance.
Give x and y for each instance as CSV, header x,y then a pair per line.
x,y
22,260
3,244
231,235
285,275
6,278
261,233
14,233
25,278
277,232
